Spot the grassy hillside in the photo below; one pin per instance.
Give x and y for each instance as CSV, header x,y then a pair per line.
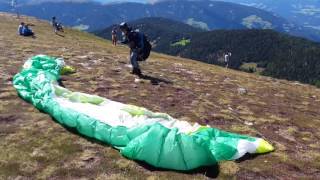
x,y
33,146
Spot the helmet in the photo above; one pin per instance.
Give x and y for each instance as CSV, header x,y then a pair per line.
x,y
124,26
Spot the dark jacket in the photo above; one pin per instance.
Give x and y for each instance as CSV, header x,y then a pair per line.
x,y
134,40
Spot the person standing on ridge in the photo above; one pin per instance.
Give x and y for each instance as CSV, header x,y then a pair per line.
x,y
139,46
227,57
114,36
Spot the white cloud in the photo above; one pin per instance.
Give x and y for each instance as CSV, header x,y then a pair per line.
x,y
42,1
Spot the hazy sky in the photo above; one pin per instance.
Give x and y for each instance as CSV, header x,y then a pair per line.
x,y
102,1
106,1
141,1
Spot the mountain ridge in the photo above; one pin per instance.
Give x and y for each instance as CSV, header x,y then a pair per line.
x,y
304,12
206,14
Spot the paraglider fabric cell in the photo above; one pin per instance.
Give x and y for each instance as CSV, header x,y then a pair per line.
x,y
139,134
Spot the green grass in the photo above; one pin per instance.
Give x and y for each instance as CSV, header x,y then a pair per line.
x,y
251,68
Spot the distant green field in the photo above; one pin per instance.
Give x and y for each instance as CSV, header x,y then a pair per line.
x,y
182,42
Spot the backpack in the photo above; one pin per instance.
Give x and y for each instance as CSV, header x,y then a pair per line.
x,y
145,52
147,48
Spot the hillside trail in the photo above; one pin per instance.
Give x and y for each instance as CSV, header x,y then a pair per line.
x,y
36,147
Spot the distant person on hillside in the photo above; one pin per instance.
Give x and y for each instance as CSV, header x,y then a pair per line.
x,y
56,26
140,47
114,36
14,5
227,59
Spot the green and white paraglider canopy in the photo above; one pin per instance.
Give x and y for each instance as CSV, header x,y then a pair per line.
x,y
138,133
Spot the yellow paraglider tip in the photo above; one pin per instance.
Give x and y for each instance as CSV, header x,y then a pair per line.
x,y
264,147
67,70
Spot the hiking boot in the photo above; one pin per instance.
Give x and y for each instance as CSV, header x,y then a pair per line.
x,y
139,72
136,71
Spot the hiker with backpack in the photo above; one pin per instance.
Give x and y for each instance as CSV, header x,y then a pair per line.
x,y
139,46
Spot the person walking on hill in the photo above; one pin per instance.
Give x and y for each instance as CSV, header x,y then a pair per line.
x,y
139,46
114,36
56,26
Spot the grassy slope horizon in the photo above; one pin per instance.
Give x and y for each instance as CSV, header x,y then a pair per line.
x,y
34,146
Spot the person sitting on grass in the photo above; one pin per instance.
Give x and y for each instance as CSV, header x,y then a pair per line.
x,y
26,31
20,28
